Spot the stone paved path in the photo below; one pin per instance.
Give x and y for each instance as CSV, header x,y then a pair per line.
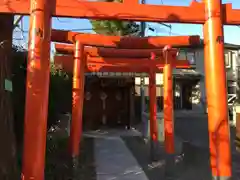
x,y
113,160
124,155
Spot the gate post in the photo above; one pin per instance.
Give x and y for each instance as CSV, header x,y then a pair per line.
x,y
216,90
168,104
168,113
77,102
37,90
153,111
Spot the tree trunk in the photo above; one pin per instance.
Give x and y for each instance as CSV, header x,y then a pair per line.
x,y
8,168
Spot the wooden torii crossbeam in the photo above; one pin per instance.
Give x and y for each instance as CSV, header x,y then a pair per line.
x,y
106,59
102,64
110,52
211,13
195,13
151,65
123,42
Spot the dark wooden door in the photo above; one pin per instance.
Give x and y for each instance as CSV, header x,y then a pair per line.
x,y
105,106
92,109
116,106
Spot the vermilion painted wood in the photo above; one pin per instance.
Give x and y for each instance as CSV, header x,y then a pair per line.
x,y
113,52
153,106
77,100
37,90
216,89
195,13
95,64
123,42
168,105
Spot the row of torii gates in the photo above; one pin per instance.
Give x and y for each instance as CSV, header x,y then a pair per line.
x,y
146,55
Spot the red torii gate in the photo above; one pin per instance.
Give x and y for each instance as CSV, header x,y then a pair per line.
x,y
82,39
212,14
126,42
166,61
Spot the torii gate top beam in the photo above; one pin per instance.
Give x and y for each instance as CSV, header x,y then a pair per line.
x,y
121,64
100,64
194,14
123,42
112,52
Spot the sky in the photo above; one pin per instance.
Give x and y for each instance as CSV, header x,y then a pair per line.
x,y
232,33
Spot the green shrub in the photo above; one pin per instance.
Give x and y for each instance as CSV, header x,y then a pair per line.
x,y
59,92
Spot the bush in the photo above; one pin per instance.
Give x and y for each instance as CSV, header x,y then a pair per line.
x,y
59,92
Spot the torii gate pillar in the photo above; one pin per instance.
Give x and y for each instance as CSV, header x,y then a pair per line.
x,y
153,111
77,102
37,90
219,138
168,109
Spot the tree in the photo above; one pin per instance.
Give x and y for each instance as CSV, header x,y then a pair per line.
x,y
60,94
115,27
8,166
19,72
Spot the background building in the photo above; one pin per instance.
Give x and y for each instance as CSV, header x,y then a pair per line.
x,y
189,84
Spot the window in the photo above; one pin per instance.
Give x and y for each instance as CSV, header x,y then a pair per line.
x,y
191,58
232,88
182,55
228,59
187,55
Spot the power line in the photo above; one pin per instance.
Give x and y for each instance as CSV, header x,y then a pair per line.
x,y
159,30
166,25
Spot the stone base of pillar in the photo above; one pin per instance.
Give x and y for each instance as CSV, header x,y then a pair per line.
x,y
75,166
154,150
170,169
221,178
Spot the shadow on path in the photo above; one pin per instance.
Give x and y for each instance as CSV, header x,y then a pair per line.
x,y
194,165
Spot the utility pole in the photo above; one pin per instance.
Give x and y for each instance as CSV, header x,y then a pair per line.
x,y
142,84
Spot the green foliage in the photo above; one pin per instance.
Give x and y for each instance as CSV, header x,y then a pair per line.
x,y
59,92
114,27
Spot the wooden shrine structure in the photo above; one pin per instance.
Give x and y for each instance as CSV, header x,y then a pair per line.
x,y
212,13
